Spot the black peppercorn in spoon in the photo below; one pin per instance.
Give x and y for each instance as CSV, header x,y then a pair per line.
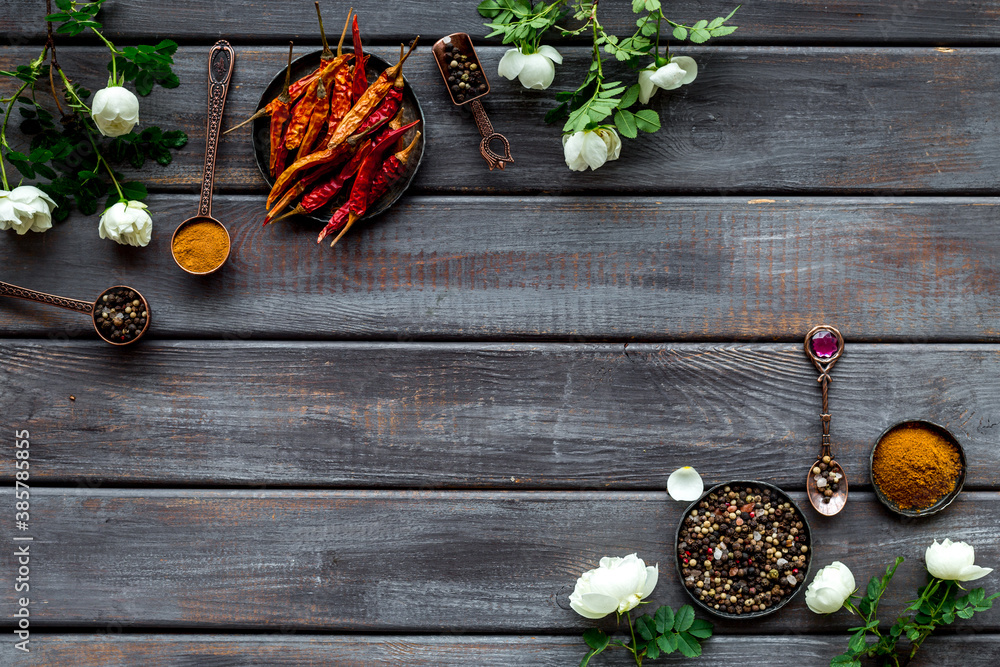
x,y
121,315
826,483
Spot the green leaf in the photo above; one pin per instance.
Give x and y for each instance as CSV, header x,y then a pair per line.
x,y
630,97
699,25
716,22
596,639
684,617
134,190
144,83
681,33
722,31
667,642
857,643
652,650
976,595
845,660
948,617
700,36
966,613
645,626
688,645
701,629
647,120
664,616
625,122
912,634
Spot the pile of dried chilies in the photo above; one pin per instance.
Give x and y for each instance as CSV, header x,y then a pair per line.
x,y
331,130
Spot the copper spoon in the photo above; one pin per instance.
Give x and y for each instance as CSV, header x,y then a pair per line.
x,y
824,345
220,71
86,307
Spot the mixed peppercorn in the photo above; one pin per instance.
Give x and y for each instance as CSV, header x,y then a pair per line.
x,y
743,549
465,78
332,133
121,315
827,481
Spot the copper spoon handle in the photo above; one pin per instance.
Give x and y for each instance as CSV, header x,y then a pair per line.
x,y
485,127
220,71
824,379
823,365
6,289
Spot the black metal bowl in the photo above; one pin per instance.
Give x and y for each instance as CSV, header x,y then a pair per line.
x,y
411,111
943,502
754,614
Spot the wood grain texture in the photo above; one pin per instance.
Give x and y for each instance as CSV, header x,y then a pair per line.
x,y
405,561
548,268
757,120
274,650
775,21
490,416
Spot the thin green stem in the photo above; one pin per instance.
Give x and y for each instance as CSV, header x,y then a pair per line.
x,y
635,654
78,103
3,132
114,55
924,634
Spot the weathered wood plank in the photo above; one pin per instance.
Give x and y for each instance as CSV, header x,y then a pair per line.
x,y
548,268
491,416
775,21
913,120
116,650
407,561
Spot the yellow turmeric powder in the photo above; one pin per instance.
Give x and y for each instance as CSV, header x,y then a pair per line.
x,y
201,246
915,466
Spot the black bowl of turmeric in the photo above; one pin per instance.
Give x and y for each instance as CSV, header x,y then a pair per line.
x,y
917,467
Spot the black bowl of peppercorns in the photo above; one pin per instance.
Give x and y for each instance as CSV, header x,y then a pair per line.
x,y
743,550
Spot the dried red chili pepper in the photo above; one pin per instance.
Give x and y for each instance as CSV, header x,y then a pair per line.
x,y
364,193
296,191
279,117
360,84
322,193
339,104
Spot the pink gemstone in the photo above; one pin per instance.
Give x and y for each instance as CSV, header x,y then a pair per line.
x,y
824,344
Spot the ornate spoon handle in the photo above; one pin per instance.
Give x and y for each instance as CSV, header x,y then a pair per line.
x,y
6,289
220,71
824,345
485,128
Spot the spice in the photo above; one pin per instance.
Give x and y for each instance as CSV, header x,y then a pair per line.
x,y
743,549
915,466
465,79
121,315
201,246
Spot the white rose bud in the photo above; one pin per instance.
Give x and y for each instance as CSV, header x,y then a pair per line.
x,y
25,209
534,70
954,561
619,584
127,223
115,110
830,588
679,71
591,148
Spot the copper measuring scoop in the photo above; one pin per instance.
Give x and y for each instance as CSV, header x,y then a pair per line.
x,y
824,346
463,43
94,309
220,71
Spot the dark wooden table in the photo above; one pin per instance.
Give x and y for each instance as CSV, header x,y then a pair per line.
x,y
406,449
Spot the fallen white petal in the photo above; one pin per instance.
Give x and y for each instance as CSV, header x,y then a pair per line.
x,y
685,484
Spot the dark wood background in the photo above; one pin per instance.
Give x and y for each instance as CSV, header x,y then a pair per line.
x,y
406,449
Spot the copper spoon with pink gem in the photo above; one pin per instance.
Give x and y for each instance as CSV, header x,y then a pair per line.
x,y
826,483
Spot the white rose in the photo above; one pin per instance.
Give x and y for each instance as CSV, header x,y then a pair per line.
x,y
591,148
679,71
953,561
25,209
534,70
830,588
127,224
619,584
115,110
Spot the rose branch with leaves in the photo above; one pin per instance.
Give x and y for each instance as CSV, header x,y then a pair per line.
x,y
599,108
939,602
620,585
76,153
